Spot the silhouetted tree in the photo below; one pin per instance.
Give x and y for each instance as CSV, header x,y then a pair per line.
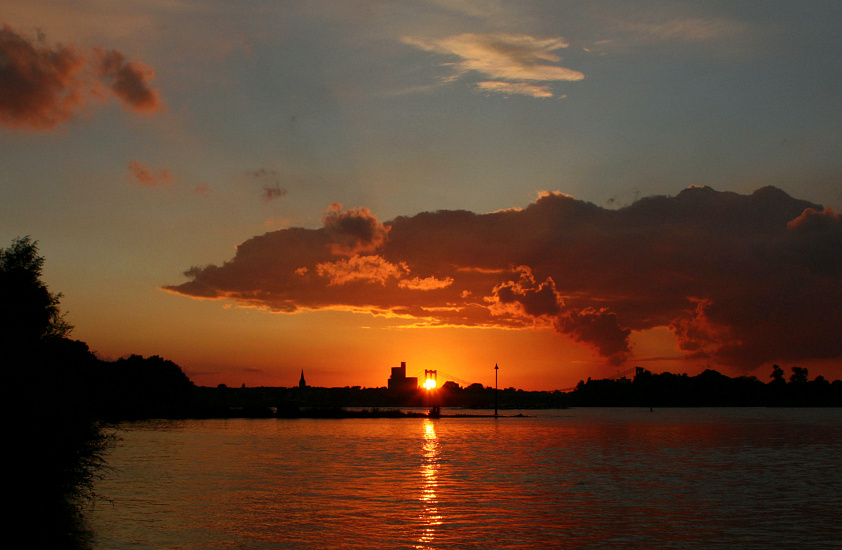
x,y
55,447
799,375
136,387
30,312
777,375
450,394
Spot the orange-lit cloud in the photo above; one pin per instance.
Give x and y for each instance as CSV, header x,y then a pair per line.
x,y
42,86
142,175
128,80
741,279
39,85
427,283
515,88
372,269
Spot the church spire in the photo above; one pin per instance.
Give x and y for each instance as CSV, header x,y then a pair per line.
x,y
302,383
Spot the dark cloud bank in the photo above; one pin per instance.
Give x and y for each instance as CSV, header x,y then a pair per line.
x,y
741,279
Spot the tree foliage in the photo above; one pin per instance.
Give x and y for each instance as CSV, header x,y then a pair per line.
x,y
56,448
709,389
30,312
799,375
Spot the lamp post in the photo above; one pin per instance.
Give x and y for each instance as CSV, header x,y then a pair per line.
x,y
496,368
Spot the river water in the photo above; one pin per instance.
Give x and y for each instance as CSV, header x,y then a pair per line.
x,y
578,478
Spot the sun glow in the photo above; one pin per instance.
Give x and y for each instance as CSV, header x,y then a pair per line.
x,y
429,384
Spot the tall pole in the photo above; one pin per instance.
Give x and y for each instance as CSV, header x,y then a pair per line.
x,y
496,368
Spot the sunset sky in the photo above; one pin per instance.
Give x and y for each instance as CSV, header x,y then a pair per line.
x,y
566,189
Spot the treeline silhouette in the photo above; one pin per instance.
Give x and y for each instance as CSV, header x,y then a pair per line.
x,y
709,389
645,389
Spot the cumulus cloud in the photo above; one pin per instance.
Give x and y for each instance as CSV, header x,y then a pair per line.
x,y
43,86
816,220
533,299
353,231
39,85
740,279
516,64
599,328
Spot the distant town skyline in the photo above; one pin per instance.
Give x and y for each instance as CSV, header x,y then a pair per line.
x,y
566,189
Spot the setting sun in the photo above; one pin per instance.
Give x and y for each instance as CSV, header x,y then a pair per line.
x,y
429,384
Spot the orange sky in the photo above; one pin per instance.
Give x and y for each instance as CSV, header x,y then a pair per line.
x,y
564,189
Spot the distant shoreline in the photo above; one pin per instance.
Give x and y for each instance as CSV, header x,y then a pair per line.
x,y
340,413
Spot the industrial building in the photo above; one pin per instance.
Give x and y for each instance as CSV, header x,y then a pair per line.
x,y
399,380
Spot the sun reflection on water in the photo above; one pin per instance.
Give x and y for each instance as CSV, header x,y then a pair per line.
x,y
430,517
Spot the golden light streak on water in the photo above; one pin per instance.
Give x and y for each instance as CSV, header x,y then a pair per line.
x,y
430,516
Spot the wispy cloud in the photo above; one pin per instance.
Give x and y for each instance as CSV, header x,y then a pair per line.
x,y
515,63
270,183
142,175
515,88
731,275
675,30
684,29
273,192
473,8
202,189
